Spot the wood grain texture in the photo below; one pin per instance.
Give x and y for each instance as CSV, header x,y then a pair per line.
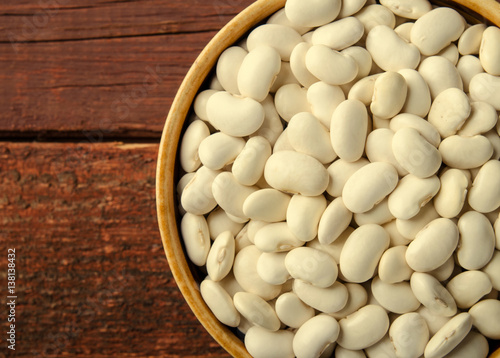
x,y
92,275
108,67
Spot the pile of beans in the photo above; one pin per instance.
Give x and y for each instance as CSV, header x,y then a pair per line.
x,y
341,182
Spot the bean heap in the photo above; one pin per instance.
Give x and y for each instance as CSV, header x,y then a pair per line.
x,y
341,182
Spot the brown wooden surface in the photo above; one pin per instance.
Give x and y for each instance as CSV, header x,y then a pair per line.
x,y
85,87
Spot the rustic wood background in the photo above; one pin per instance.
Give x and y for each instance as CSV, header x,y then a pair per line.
x,y
85,87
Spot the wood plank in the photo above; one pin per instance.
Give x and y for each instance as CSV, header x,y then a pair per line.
x,y
111,68
92,277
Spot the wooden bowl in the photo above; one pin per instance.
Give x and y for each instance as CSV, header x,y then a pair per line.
x,y
167,173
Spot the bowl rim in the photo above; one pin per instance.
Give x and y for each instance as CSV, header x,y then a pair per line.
x,y
168,148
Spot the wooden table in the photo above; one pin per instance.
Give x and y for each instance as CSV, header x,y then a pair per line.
x,y
85,87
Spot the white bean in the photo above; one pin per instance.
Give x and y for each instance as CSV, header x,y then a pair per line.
x,y
341,352
221,256
339,172
484,196
323,99
357,298
418,97
486,317
196,237
489,53
437,29
230,195
197,197
473,345
483,117
426,130
485,87
248,166
450,199
465,152
363,328
291,99
449,111
228,65
440,74
379,214
200,103
271,267
449,336
429,291
280,18
382,41
411,194
409,335
315,335
298,65
312,14
363,60
469,287
311,265
267,205
330,66
470,40
292,311
434,321
303,215
492,269
256,310
333,222
262,343
235,116
339,34
219,149
373,15
272,127
362,90
409,228
350,7
468,66
389,95
219,302
328,300
477,241
393,267
284,171
394,297
379,148
362,251
276,237
414,153
307,135
195,133
280,37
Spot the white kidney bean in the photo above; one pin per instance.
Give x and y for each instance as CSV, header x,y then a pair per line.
x,y
333,222
245,272
335,247
382,41
228,66
389,95
465,152
262,343
230,194
485,87
303,215
341,352
235,116
394,234
307,135
418,97
284,171
492,269
196,237
373,15
200,103
411,194
440,74
339,34
408,8
394,297
363,60
258,71
323,99
362,90
483,117
380,214
339,172
404,30
409,228
363,328
477,240
330,66
298,65
285,76
379,148
266,205
311,265
315,335
283,143
359,194
195,133
468,66
276,237
434,321
409,335
489,53
350,124
219,221
256,310
328,300
426,130
484,195
473,345
444,272
383,348
450,199
470,40
449,111
432,294
315,14
485,317
392,267
282,38
425,253
280,18
449,336
357,298
221,256
271,267
362,251
350,8
436,29
291,99
219,149
292,311
415,154
248,166
468,287
219,302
